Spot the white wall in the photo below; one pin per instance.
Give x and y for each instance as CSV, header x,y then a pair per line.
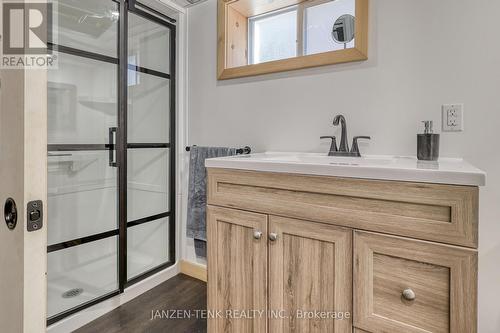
x,y
422,54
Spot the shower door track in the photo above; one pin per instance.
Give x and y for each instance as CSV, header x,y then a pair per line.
x,y
121,146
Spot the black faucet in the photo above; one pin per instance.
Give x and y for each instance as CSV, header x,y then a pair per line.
x,y
343,149
344,146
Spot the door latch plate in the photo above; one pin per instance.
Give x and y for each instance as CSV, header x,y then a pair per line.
x,y
35,215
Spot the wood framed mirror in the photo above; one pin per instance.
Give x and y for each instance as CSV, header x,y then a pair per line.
x,y
267,36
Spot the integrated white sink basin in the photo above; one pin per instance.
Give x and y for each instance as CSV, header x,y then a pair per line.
x,y
444,171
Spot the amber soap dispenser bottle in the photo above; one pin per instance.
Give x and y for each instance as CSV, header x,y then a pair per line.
x,y
428,143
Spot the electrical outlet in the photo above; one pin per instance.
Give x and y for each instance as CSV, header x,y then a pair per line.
x,y
453,118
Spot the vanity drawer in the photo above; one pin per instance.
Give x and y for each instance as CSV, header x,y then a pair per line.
x,y
410,286
433,212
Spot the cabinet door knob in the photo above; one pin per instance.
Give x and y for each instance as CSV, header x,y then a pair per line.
x,y
409,294
273,236
257,234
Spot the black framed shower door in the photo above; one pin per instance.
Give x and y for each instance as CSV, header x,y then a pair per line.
x,y
133,145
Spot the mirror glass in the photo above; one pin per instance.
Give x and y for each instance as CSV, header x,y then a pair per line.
x,y
260,31
343,29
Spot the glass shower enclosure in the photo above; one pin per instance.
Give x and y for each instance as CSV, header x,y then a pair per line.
x,y
111,156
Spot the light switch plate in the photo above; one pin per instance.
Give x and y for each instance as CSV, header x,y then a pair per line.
x,y
453,117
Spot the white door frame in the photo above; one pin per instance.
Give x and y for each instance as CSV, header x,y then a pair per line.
x,y
23,177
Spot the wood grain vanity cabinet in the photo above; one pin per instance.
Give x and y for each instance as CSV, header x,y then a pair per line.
x,y
310,269
239,279
397,256
403,285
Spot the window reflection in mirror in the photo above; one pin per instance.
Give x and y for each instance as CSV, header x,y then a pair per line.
x,y
273,36
324,21
262,31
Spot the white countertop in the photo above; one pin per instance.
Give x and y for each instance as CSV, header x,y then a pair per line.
x,y
445,171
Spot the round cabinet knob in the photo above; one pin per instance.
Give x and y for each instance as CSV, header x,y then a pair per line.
x,y
257,234
409,294
273,236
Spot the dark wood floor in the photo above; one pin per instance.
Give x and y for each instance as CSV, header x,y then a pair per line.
x,y
179,293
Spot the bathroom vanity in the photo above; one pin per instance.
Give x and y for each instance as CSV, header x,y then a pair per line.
x,y
386,243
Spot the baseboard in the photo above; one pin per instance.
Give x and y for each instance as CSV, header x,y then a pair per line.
x,y
87,315
194,270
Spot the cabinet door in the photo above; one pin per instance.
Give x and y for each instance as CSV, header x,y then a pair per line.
x,y
310,273
408,286
237,270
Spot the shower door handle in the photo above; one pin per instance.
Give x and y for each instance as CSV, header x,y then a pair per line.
x,y
112,146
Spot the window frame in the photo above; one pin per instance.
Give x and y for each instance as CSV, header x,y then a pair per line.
x,y
248,8
301,23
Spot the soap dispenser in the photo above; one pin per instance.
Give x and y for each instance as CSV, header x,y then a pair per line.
x,y
428,143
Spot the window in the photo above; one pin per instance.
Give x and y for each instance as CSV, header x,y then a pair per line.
x,y
273,36
302,29
319,18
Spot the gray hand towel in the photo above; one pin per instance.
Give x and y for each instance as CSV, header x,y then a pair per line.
x,y
197,196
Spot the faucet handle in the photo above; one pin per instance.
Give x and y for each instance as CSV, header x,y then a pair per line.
x,y
333,146
355,147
